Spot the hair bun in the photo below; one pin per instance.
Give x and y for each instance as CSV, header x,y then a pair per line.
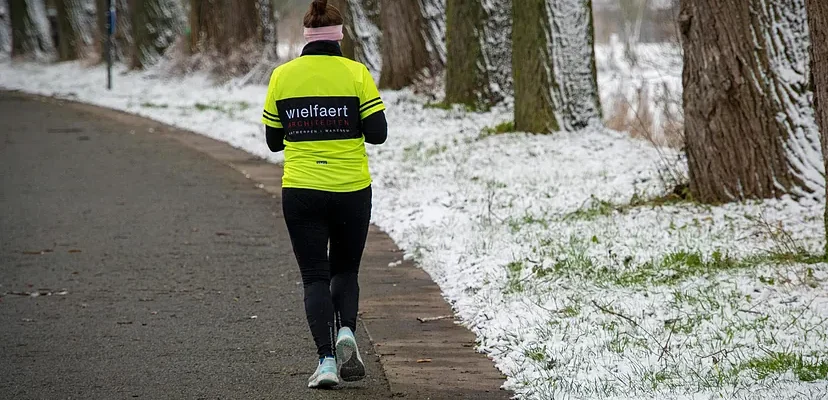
x,y
319,7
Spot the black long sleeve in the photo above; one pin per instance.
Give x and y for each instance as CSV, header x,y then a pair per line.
x,y
275,138
375,128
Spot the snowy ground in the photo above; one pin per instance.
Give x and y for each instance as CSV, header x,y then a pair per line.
x,y
549,250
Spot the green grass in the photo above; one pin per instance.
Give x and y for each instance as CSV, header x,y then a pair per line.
x,y
514,281
439,105
675,267
228,108
596,207
780,363
504,127
153,105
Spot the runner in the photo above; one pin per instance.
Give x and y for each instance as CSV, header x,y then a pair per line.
x,y
321,109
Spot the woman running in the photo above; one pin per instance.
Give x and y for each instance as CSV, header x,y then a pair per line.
x,y
321,109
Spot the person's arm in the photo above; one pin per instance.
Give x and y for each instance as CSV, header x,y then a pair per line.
x,y
375,128
275,138
372,111
274,132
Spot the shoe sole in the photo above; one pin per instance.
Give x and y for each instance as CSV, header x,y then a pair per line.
x,y
324,381
351,368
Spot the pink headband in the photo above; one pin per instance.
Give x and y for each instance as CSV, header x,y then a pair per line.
x,y
333,33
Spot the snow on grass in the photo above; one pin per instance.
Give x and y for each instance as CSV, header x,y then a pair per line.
x,y
561,252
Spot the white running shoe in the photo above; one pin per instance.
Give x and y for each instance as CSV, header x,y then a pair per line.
x,y
348,361
325,375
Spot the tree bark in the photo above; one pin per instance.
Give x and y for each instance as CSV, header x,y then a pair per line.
x,y
818,24
412,45
19,15
478,66
70,36
155,26
554,66
748,119
362,35
223,26
30,34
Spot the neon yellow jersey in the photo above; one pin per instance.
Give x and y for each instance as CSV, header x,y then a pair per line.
x,y
320,102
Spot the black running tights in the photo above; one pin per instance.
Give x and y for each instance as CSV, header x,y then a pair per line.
x,y
315,221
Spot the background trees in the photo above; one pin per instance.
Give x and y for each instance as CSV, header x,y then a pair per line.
x,y
554,65
479,52
748,118
155,25
30,34
362,32
412,40
818,23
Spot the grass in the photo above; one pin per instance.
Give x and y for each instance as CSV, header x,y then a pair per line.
x,y
227,108
153,105
595,207
504,127
675,267
779,363
514,281
442,105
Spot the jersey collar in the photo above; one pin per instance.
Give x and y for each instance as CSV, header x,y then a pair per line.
x,y
322,48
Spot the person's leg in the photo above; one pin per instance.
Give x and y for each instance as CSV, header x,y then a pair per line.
x,y
306,219
350,218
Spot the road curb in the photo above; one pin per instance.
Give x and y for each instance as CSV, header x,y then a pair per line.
x,y
424,353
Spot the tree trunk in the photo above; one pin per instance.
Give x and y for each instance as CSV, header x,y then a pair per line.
x,y
554,66
155,25
818,24
412,45
70,36
748,118
100,35
236,36
223,26
348,42
362,35
30,29
478,66
194,27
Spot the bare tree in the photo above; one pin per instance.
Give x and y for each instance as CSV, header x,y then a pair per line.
x,y
155,25
818,24
413,40
30,30
236,36
362,33
479,56
749,121
553,64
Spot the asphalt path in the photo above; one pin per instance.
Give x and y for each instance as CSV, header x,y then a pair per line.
x,y
134,267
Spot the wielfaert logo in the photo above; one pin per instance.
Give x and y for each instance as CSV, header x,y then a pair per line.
x,y
320,118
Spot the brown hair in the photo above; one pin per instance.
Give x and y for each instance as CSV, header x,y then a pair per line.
x,y
321,14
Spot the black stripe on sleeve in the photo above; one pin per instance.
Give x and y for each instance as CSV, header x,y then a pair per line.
x,y
271,115
369,101
371,104
271,119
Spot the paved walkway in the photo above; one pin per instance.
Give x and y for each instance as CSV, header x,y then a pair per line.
x,y
132,266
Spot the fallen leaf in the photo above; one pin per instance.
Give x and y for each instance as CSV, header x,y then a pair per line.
x,y
74,251
222,234
424,360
